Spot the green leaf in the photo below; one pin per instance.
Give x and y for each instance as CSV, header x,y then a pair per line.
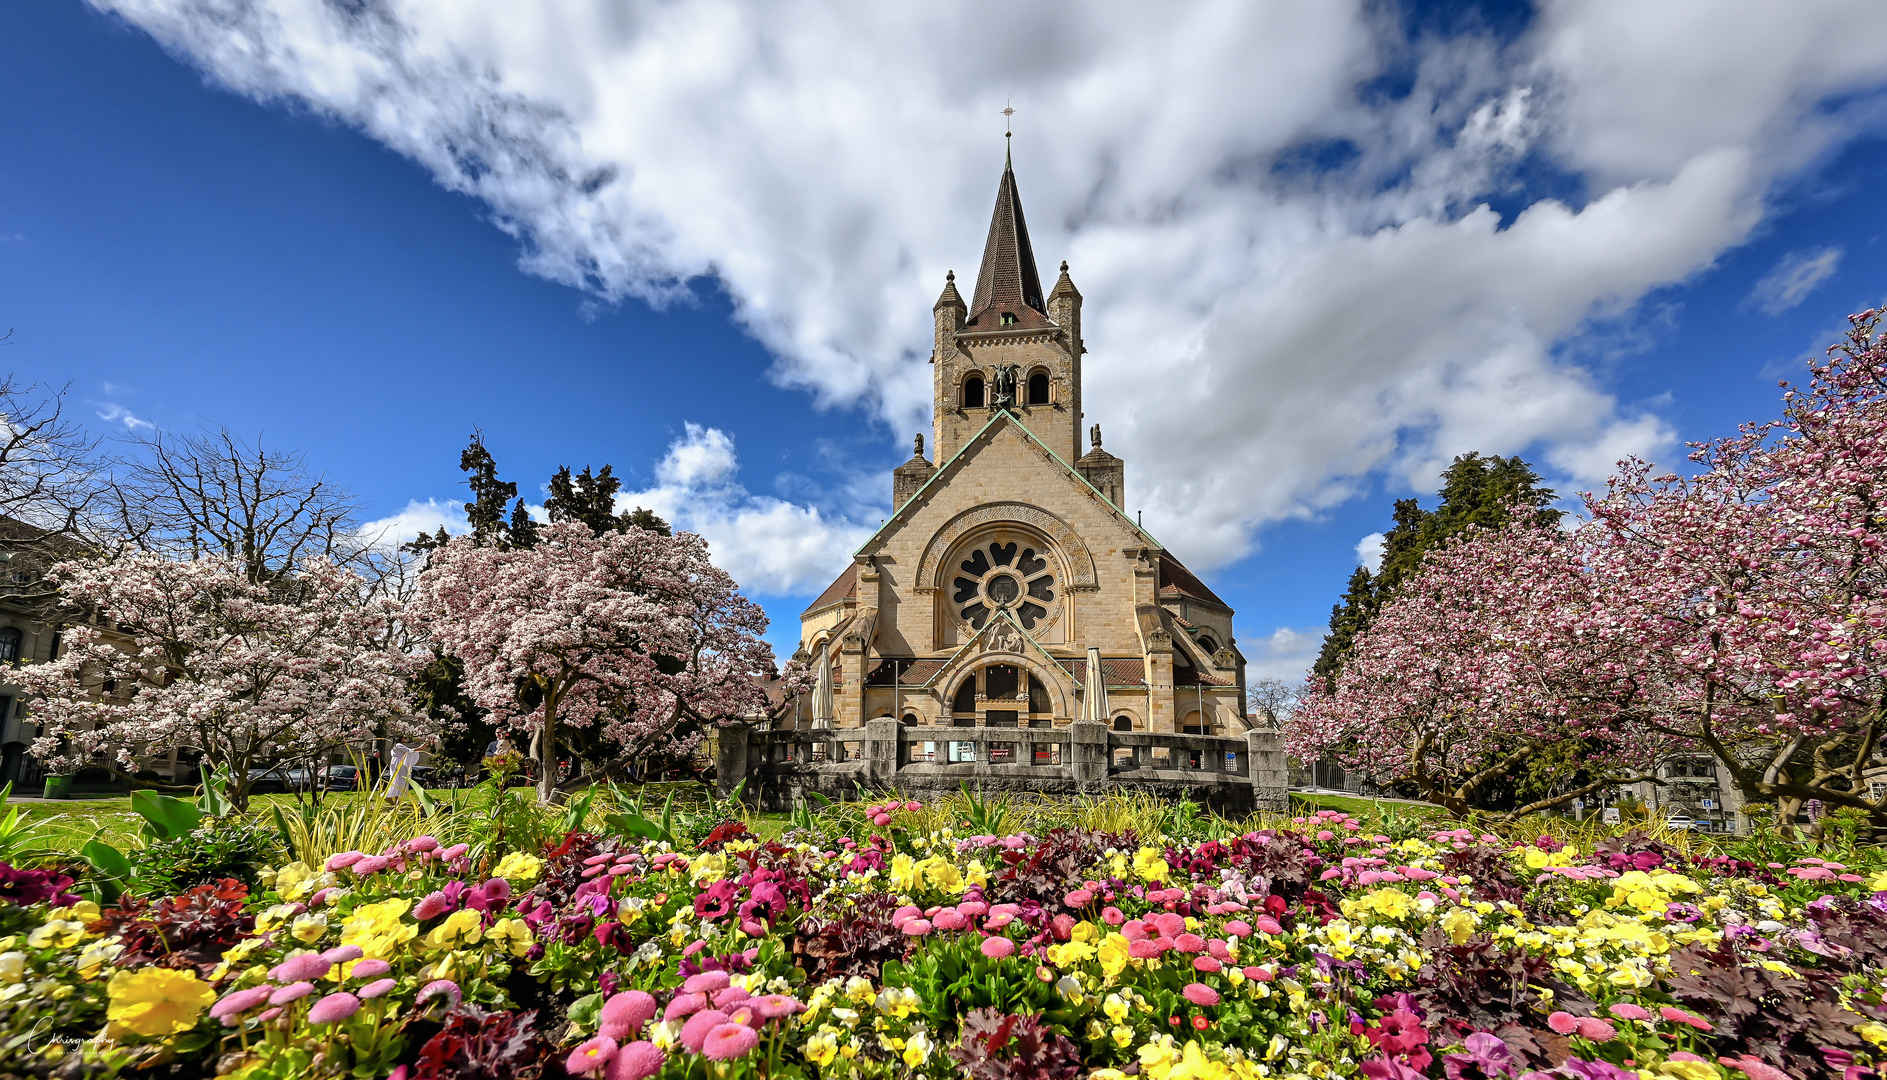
x,y
166,817
288,837
586,1011
106,859
427,805
213,802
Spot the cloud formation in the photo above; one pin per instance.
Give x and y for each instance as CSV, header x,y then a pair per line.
x,y
1369,552
771,546
416,517
1285,653
1278,212
1794,278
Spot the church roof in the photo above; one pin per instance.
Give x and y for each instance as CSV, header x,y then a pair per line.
x,y
1007,280
1128,672
946,467
1176,580
846,585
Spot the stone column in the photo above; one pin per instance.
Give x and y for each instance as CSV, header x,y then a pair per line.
x,y
1087,753
730,759
882,738
1266,769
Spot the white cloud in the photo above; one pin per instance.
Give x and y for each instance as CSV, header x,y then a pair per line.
x,y
1285,653
1794,278
705,456
417,517
1299,330
769,545
113,413
1369,552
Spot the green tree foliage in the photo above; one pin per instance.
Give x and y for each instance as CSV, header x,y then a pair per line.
x,y
1475,491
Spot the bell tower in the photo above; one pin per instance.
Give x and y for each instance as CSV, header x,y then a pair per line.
x,y
1011,347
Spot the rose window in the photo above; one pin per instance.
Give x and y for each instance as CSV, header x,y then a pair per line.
x,y
996,578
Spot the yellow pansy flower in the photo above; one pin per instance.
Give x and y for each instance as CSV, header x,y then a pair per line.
x,y
156,1001
917,1050
903,873
1149,865
1460,923
975,875
510,935
823,1047
465,924
519,868
294,880
57,934
308,929
1113,954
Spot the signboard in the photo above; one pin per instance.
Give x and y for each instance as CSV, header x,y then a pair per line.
x,y
1579,804
1609,815
1710,804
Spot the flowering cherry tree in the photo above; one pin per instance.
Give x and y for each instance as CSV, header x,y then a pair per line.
x,y
1762,580
1487,658
631,636
204,657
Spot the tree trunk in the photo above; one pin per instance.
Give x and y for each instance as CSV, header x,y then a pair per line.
x,y
547,757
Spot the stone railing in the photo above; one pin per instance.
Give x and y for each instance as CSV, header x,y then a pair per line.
x,y
1232,775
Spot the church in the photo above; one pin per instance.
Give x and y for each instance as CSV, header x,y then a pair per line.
x,y
1010,564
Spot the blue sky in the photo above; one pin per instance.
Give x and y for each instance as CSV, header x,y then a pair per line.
x,y
694,246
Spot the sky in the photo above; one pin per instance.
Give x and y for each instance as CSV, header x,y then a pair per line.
x,y
1324,247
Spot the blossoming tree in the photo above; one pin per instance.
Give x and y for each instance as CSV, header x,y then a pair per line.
x,y
244,671
1485,660
632,636
1762,579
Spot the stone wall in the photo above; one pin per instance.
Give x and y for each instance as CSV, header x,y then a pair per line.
x,y
1233,776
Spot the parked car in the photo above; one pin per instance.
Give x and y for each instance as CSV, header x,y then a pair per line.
x,y
340,778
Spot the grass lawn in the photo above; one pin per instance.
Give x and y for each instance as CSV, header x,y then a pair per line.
x,y
1367,809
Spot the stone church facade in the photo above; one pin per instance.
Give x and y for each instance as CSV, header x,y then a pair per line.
x,y
1011,553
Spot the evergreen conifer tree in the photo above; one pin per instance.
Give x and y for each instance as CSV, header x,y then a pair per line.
x,y
1476,491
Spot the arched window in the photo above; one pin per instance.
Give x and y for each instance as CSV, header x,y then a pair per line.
x,y
966,697
1000,681
911,720
9,645
1038,695
1038,388
973,392
1210,646
1123,723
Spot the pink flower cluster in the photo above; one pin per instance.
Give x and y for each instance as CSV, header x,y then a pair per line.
x,y
294,979
880,813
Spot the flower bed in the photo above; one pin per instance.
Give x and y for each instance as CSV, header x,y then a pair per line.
x,y
856,948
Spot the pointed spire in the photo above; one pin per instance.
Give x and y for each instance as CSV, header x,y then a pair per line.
x,y
1066,286
950,297
1007,283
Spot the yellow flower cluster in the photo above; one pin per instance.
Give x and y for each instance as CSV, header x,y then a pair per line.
x,y
908,875
1650,892
1163,1059
518,868
1149,865
155,1001
378,929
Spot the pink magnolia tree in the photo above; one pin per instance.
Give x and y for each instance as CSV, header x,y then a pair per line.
x,y
165,654
629,637
1489,659
1761,581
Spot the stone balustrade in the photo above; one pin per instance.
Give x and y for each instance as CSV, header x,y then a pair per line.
x,y
1233,775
